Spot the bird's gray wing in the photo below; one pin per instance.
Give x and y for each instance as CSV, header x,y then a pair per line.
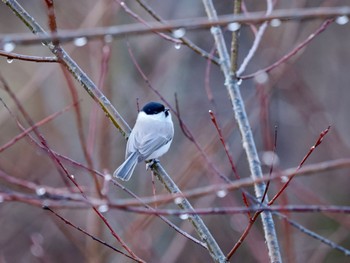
x,y
148,146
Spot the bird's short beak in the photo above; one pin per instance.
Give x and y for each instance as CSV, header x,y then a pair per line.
x,y
166,111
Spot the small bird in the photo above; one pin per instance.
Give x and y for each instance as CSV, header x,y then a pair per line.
x,y
149,139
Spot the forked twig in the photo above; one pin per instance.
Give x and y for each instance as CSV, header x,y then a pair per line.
x,y
289,55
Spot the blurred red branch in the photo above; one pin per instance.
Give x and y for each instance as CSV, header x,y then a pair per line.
x,y
271,167
79,121
229,157
86,233
286,57
75,97
36,125
93,119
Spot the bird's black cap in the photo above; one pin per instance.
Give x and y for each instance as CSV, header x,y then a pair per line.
x,y
153,108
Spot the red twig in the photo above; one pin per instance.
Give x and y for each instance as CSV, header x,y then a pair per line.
x,y
52,20
233,167
75,98
86,233
243,236
10,55
36,125
81,134
318,142
182,125
222,140
93,120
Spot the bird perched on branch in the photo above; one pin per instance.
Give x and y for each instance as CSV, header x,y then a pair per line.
x,y
149,139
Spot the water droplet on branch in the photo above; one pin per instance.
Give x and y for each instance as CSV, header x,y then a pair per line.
x,y
80,41
233,26
178,200
342,20
40,191
275,22
9,46
179,33
221,193
103,208
177,46
108,38
184,216
261,78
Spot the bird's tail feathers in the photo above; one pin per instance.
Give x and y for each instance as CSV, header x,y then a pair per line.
x,y
126,169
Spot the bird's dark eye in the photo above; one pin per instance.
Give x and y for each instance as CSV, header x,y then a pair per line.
x,y
166,112
153,108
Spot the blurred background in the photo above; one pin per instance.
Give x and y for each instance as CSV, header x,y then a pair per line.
x,y
301,97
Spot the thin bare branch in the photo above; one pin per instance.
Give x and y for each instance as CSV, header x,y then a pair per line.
x,y
188,24
10,55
